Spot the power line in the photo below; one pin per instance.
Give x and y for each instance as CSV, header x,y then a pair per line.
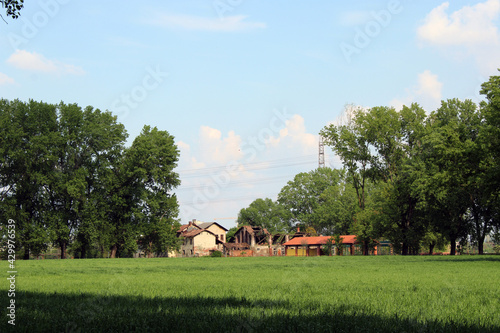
x,y
278,163
236,183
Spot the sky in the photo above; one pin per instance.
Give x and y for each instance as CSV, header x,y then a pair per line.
x,y
245,86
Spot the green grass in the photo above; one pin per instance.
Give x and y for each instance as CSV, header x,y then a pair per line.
x,y
286,294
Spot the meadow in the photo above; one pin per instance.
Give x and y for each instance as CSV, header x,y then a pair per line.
x,y
276,294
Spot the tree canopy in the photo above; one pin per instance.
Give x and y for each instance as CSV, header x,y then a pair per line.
x,y
67,179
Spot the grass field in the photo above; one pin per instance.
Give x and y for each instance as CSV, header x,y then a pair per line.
x,y
285,294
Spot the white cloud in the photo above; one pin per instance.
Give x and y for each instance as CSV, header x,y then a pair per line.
x,y
33,61
218,150
221,173
5,80
427,92
228,24
471,29
295,136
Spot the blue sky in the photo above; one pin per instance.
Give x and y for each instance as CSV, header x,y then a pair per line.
x,y
246,85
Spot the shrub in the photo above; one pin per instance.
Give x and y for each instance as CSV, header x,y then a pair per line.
x,y
216,254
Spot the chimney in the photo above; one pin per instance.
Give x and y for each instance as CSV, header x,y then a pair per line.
x,y
298,229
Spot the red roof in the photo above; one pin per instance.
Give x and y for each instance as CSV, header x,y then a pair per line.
x,y
319,240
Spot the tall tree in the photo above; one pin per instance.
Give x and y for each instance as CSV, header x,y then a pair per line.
x,y
28,130
375,144
88,142
267,214
450,153
143,194
348,141
301,196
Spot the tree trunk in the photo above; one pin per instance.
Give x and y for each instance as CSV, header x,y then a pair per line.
x,y
26,253
431,248
453,247
365,248
63,249
404,249
480,244
114,248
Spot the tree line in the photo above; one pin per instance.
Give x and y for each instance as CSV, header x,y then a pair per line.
x,y
408,176
66,178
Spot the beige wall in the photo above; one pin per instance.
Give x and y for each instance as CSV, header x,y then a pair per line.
x,y
200,244
204,240
215,229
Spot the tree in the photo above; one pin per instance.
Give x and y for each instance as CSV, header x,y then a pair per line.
x,y
450,154
337,207
301,196
338,244
66,178
433,239
349,142
88,142
328,247
375,145
150,163
267,214
12,7
230,234
27,132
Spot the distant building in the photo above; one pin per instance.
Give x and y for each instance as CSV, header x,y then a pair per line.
x,y
255,241
312,246
201,238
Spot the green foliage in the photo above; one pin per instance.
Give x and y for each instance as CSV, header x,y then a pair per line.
x,y
338,244
267,214
68,180
216,254
230,233
329,245
304,196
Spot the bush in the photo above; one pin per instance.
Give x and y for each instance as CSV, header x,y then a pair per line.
x,y
216,254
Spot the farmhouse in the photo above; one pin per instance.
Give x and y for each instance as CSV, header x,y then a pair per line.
x,y
201,238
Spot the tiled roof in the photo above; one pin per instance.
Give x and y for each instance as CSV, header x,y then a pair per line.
x,y
188,227
194,233
319,240
205,225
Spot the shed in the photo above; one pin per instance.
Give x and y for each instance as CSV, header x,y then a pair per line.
x,y
311,246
